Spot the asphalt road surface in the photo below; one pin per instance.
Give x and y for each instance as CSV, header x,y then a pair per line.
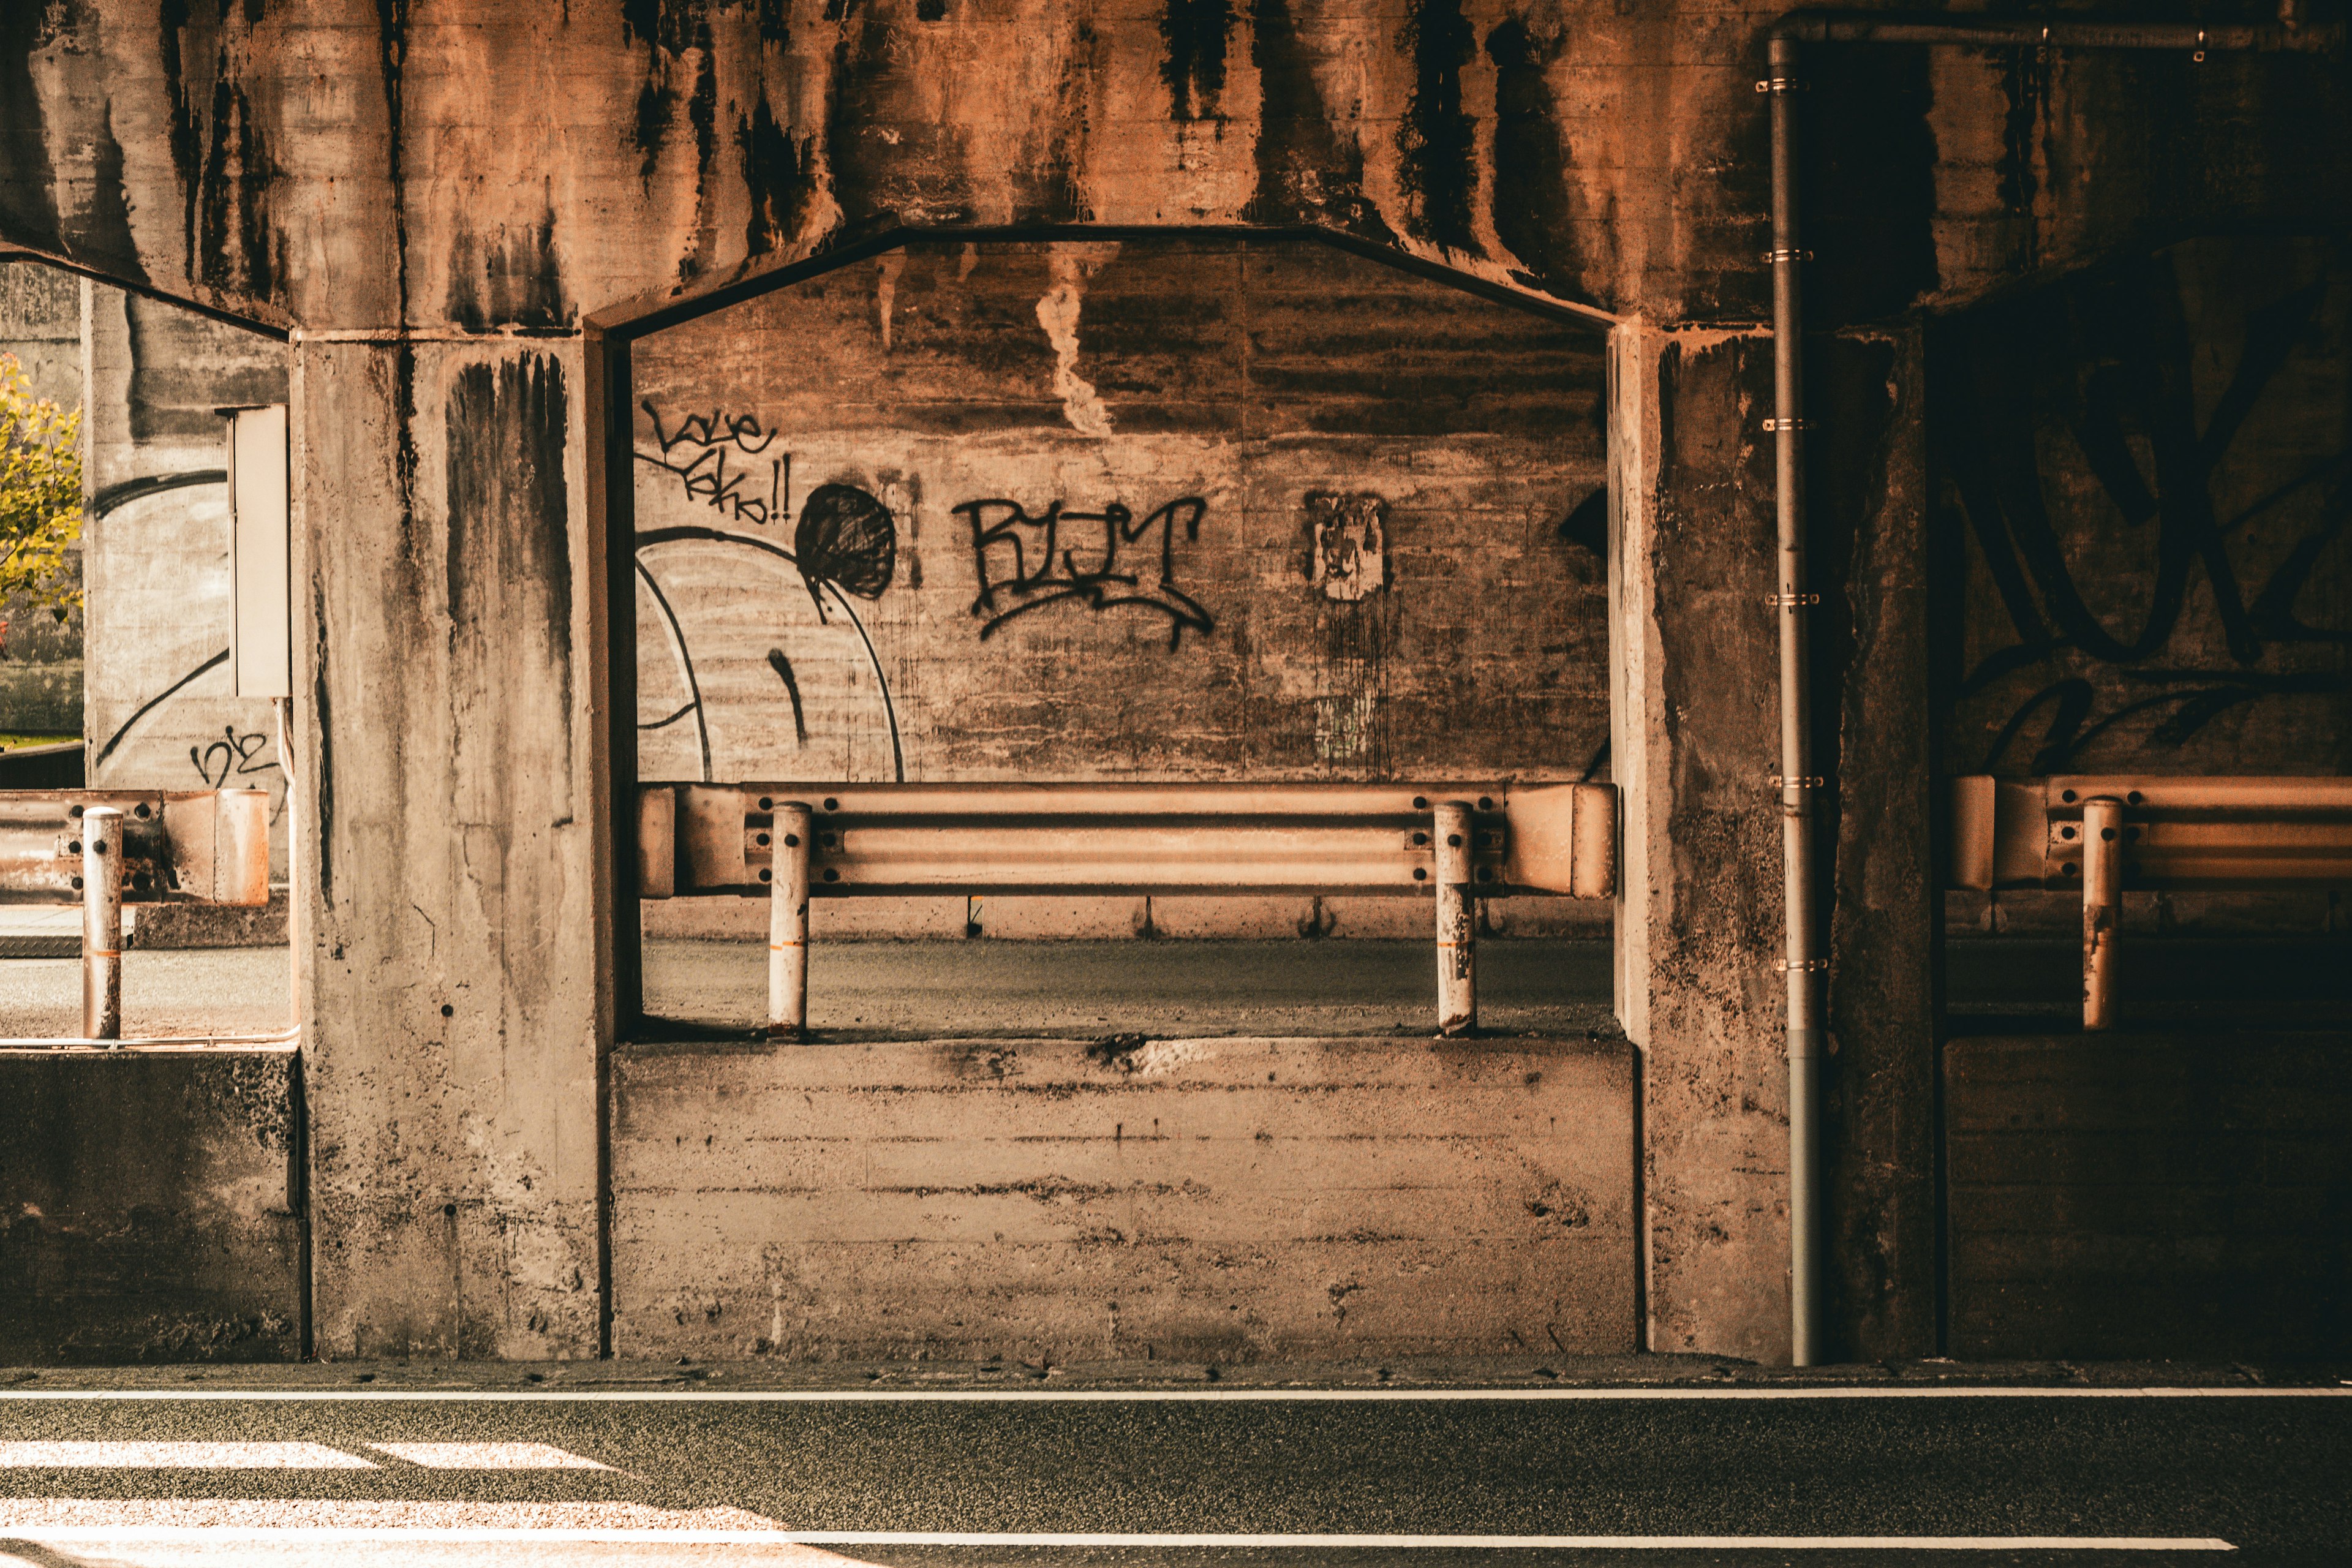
x,y
907,1476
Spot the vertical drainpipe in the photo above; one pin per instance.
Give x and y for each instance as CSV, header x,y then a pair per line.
x,y
1802,968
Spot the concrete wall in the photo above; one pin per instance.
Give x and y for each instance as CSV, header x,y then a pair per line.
x,y
2181,1195
940,435
1219,1200
142,670
2140,484
158,709
479,165
154,1206
453,997
1358,519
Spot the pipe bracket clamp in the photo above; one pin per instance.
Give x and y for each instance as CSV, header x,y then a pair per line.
x,y
1802,966
1801,782
1774,257
1780,84
1791,601
1788,425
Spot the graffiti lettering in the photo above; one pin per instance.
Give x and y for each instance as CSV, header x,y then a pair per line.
x,y
232,754
698,451
2120,347
1025,563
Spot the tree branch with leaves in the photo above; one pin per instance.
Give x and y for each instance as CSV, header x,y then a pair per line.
x,y
40,495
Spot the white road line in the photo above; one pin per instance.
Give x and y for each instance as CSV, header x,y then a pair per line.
x,y
293,1518
140,1456
1115,1396
487,1457
297,1535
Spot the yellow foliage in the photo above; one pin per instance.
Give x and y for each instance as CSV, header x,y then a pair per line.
x,y
40,494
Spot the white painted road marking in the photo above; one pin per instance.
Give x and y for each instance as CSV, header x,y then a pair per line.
x,y
131,1534
138,1455
312,1517
1123,1396
487,1457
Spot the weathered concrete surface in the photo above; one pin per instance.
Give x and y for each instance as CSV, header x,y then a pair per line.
x,y
1873,740
1230,1200
1070,511
40,323
159,711
143,671
1696,736
2141,516
2175,1194
1695,742
468,163
151,1206
446,928
213,925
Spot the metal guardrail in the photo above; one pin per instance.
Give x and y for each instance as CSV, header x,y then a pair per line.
x,y
2103,834
1451,842
102,848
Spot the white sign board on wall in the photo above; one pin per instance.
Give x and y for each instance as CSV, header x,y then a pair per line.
x,y
261,637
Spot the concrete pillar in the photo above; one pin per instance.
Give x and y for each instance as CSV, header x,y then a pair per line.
x,y
1694,746
1874,736
446,923
1694,738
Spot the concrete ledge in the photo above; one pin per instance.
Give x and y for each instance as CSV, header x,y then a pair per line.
x,y
148,1205
1227,1200
213,925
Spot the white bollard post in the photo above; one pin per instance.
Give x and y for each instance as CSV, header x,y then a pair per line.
x,y
788,921
2102,908
1457,958
101,923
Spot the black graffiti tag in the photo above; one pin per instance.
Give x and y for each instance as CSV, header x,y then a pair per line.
x,y
698,451
1025,563
2117,349
232,754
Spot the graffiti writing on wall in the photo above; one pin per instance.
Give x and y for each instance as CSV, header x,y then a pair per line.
x,y
844,548
233,754
725,462
2102,369
1103,560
